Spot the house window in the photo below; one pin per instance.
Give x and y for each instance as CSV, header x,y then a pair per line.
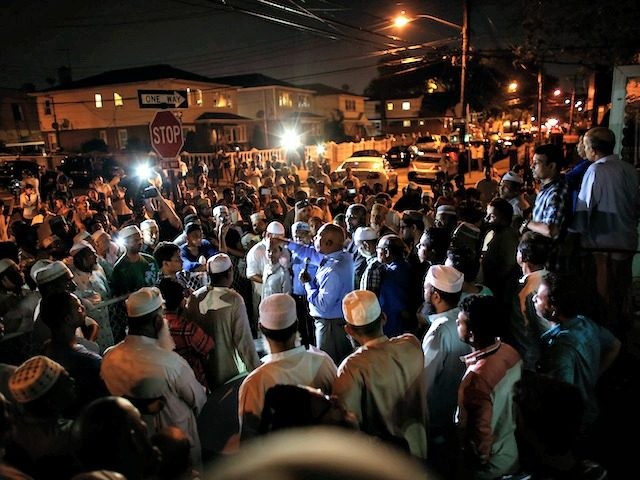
x,y
285,99
421,122
377,107
189,97
16,110
47,107
406,123
350,105
98,98
389,106
406,105
117,99
199,97
122,138
303,101
103,136
222,100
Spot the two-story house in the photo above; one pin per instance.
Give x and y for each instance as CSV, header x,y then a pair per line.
x,y
405,115
276,106
106,106
341,109
18,117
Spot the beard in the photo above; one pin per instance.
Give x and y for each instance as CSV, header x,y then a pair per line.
x,y
165,341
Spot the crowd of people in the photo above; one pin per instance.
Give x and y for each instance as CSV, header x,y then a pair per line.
x,y
148,330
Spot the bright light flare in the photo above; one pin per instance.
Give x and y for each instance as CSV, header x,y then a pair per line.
x,y
557,92
290,140
551,122
143,171
401,20
567,101
512,87
320,149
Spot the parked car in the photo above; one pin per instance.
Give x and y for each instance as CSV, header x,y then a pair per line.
x,y
425,168
370,168
430,143
399,156
78,168
11,172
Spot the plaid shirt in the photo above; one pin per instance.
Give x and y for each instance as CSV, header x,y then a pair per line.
x,y
550,204
372,276
192,343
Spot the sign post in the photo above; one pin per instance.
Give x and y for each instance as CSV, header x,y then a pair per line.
x,y
165,131
162,99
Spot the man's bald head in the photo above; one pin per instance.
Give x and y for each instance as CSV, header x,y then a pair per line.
x,y
601,141
330,239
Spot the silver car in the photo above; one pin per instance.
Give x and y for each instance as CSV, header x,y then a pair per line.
x,y
370,167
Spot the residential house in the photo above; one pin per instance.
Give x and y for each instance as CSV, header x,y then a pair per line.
x,y
344,111
276,106
18,117
409,116
105,106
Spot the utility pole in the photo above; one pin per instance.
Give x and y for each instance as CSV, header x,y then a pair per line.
x,y
540,103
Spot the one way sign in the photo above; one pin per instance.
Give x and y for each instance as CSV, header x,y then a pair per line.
x,y
162,99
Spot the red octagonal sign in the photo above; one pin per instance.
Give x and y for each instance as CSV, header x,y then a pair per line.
x,y
166,134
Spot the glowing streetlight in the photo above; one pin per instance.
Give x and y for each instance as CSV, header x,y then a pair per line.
x,y
578,103
567,101
512,87
557,92
401,20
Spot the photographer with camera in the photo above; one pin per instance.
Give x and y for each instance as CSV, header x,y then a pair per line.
x,y
159,208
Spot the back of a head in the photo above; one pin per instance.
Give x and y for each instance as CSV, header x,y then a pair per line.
x,y
55,308
601,139
483,316
534,248
172,293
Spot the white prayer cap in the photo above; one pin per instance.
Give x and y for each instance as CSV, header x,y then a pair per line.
x,y
129,231
37,266
97,234
48,241
52,272
147,224
275,228
300,226
446,210
144,301
258,216
360,307
512,177
219,210
34,378
444,278
220,262
278,311
81,246
83,235
364,233
5,263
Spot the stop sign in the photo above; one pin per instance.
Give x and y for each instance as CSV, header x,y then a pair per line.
x,y
166,134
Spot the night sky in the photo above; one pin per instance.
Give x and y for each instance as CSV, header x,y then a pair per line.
x,y
208,38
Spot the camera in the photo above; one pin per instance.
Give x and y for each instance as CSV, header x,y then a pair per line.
x,y
150,192
265,191
351,191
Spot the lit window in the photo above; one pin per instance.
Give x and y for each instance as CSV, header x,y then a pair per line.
x,y
47,107
222,100
350,105
98,98
117,99
389,105
406,105
406,123
303,101
123,138
421,122
285,99
199,97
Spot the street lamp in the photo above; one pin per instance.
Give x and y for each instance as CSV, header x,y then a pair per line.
x,y
402,19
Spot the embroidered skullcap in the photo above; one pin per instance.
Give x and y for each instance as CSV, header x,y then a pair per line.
x,y
446,210
258,216
97,234
444,278
52,272
512,177
37,266
360,307
143,301
147,224
81,246
219,263
219,210
275,228
300,227
278,311
128,231
34,378
364,233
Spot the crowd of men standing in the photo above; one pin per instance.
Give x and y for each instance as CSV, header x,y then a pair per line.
x,y
446,325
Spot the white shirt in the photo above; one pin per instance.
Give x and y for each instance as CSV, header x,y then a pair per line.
x,y
257,259
139,367
276,279
298,366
